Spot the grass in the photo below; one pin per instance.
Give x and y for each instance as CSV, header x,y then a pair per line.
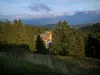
x,y
48,65
23,67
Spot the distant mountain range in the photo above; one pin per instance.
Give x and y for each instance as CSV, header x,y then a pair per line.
x,y
73,26
84,17
78,18
50,26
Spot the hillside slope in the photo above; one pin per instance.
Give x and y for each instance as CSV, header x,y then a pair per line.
x,y
49,65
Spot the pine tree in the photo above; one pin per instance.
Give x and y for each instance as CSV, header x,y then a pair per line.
x,y
40,46
31,34
76,43
67,41
7,30
15,22
1,34
20,34
59,38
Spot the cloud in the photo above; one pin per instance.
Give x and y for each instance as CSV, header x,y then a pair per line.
x,y
39,7
35,15
35,9
6,17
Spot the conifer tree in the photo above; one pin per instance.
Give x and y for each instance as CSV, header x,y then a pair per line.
x,y
7,30
20,34
40,46
59,38
67,41
1,34
30,35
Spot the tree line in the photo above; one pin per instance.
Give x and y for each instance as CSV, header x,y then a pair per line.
x,y
84,41
18,33
67,41
92,42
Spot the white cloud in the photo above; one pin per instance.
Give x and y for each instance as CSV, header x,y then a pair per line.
x,y
52,8
39,7
37,15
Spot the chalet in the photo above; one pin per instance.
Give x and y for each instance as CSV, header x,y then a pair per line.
x,y
47,37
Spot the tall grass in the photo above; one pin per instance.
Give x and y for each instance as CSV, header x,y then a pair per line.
x,y
66,65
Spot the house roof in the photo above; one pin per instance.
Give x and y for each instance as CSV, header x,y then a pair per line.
x,y
46,36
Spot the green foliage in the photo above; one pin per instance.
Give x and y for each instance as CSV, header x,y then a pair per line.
x,y
89,47
7,30
40,46
1,34
76,45
59,39
15,22
93,29
92,40
67,41
18,33
30,35
92,47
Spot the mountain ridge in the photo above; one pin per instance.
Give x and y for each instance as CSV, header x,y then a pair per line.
x,y
83,17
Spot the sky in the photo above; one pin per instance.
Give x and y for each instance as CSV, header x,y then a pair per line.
x,y
27,9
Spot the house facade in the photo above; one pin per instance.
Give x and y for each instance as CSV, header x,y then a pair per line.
x,y
47,37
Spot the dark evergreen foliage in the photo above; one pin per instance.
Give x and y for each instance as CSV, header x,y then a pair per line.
x,y
92,40
67,41
40,46
18,33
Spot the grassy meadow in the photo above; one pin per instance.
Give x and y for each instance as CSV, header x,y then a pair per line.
x,y
34,64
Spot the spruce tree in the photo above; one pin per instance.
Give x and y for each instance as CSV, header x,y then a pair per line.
x,y
1,34
7,30
30,35
67,41
20,35
59,38
40,46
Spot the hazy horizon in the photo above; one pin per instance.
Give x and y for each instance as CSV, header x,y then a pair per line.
x,y
49,11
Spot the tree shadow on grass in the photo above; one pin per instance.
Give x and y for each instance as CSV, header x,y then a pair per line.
x,y
15,49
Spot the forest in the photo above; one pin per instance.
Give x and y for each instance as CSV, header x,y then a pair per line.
x,y
67,41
